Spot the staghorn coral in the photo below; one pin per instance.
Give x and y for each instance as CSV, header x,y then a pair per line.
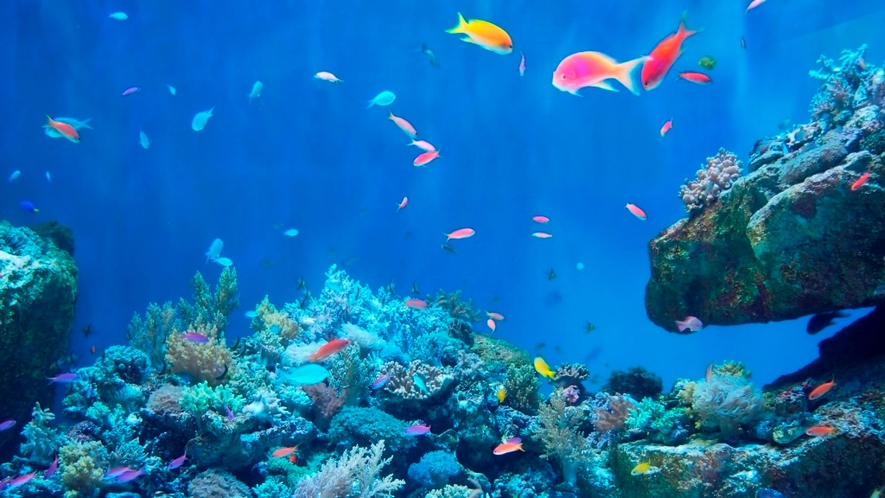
x,y
211,310
355,474
406,383
557,430
726,402
712,180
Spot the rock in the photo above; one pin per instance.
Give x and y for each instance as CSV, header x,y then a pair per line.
x,y
770,247
38,290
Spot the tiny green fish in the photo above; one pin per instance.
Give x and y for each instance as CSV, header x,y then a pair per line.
x,y
589,327
707,62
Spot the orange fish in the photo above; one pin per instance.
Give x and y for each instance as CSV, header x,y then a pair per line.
x,y
821,390
293,459
585,69
666,127
491,324
418,304
820,430
425,158
402,204
540,219
541,235
860,181
328,349
484,34
663,56
284,452
509,446
403,125
754,4
461,233
92,350
495,316
695,77
634,209
64,129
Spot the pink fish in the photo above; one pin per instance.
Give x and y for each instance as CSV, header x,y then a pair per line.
x,y
402,204
696,77
65,378
115,472
667,127
381,381
130,91
461,233
7,425
417,430
541,235
522,64
540,219
129,475
195,337
178,462
691,323
51,470
754,4
585,69
509,446
423,145
425,158
327,76
20,480
639,213
403,125
418,304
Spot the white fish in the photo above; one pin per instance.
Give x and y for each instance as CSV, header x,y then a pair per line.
x,y
48,177
120,16
256,90
15,174
423,145
143,139
200,119
223,261
214,250
74,122
171,89
290,232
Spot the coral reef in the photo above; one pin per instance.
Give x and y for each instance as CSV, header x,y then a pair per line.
x,y
356,473
713,180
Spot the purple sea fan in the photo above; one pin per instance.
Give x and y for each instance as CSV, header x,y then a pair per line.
x,y
719,174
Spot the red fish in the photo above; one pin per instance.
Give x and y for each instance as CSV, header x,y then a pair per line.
x,y
820,430
860,181
491,324
667,126
425,158
639,213
284,452
495,316
509,446
695,77
821,390
64,129
540,219
461,233
663,56
418,304
329,348
403,125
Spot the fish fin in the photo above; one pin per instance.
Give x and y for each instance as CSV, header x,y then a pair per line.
x,y
624,74
460,27
604,86
467,39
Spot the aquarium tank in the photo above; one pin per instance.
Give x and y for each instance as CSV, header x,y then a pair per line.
x,y
440,249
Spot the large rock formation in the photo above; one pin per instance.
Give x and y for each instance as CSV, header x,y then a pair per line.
x,y
791,238
38,290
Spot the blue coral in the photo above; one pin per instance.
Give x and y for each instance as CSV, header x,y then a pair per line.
x,y
435,470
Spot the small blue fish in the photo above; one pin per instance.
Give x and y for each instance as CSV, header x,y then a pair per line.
x,y
381,381
420,383
251,314
29,207
383,99
15,174
290,232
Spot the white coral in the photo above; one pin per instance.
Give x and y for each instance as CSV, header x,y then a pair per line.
x,y
353,475
721,171
266,405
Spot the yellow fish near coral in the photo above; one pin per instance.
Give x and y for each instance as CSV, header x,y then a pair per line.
x,y
484,34
642,468
543,368
502,395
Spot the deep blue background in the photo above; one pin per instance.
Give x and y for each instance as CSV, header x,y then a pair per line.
x,y
309,155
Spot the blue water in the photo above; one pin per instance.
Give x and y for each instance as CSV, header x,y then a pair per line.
x,y
309,155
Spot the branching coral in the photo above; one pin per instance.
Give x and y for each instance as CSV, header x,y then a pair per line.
x,y
521,386
562,441
327,401
420,381
457,307
355,474
726,401
720,172
149,333
41,440
201,398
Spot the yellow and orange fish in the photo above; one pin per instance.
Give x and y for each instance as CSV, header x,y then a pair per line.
x,y
820,390
663,56
502,395
64,129
484,34
509,446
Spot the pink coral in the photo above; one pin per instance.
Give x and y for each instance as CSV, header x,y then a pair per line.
x,y
721,171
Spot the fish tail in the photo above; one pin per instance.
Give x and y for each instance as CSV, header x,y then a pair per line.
x,y
624,74
684,32
461,27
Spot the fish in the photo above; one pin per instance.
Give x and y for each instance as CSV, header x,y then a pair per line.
x,y
229,414
521,64
171,89
509,446
592,69
29,207
292,232
200,119
327,76
636,211
539,346
195,337
402,204
403,125
448,248
543,368
87,330
820,430
282,452
414,289
589,327
483,33
542,235
129,475
131,90
328,349
769,493
579,266
115,472
302,284
540,219
642,468
423,145
48,177
417,430
15,174
223,261
92,350
707,62
696,77
418,304
256,90
431,57
821,321
551,274
754,4
76,123
51,470
214,250
495,316
667,127
381,381
501,395
178,462
709,374
820,390
663,56
64,378
143,140
6,425
461,233
425,158
854,186
119,16
384,98
491,324
743,43
64,129
420,383
691,323
20,480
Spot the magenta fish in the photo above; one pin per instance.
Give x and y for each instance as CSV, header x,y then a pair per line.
x,y
691,323
131,90
4,483
195,337
380,381
417,430
20,480
129,475
7,425
51,470
230,414
65,378
178,462
116,472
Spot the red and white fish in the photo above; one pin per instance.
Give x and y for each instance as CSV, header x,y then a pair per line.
x,y
64,129
593,69
542,235
423,145
663,56
328,349
509,446
691,323
667,127
636,211
195,337
540,219
403,125
402,204
754,4
418,304
461,233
